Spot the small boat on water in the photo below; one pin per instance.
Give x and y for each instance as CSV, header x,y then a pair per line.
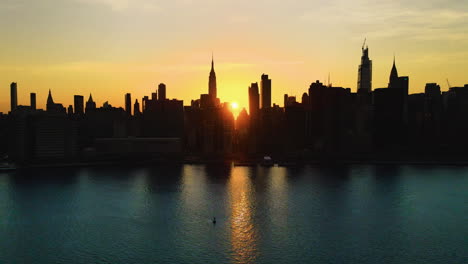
x,y
267,162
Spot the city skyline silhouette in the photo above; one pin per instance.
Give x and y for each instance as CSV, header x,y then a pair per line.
x,y
326,80
252,98
326,123
220,131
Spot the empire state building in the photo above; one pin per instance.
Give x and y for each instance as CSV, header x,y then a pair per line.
x,y
212,83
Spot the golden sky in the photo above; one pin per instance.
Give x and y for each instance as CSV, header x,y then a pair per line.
x,y
111,47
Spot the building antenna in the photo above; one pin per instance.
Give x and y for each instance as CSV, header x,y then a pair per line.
x,y
449,86
364,44
329,84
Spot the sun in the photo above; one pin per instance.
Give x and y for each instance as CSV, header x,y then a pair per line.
x,y
234,105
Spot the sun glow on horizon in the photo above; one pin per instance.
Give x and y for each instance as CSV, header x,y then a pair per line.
x,y
235,109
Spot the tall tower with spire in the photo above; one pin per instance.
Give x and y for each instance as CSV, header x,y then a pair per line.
x,y
90,104
212,89
53,107
50,100
401,85
50,105
364,84
393,80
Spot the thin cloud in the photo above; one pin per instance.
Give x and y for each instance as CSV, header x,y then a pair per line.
x,y
390,19
124,5
116,5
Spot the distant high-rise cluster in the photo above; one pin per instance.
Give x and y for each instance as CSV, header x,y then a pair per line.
x,y
323,123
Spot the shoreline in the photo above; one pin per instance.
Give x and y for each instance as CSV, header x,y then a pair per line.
x,y
248,163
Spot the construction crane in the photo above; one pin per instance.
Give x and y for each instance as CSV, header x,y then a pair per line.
x,y
449,86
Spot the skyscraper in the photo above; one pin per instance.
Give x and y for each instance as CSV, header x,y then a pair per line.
x,y
398,82
52,106
265,91
32,97
212,89
50,102
144,102
393,80
90,104
13,96
364,84
254,98
305,99
128,104
162,92
136,108
432,89
79,104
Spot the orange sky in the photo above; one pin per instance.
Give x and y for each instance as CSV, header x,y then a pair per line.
x,y
111,47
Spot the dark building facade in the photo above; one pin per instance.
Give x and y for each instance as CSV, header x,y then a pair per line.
x,y
254,110
161,92
209,131
13,96
37,136
128,104
32,97
390,107
254,100
79,104
329,120
55,137
265,87
163,119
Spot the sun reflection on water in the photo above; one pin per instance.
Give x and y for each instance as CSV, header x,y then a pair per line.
x,y
242,205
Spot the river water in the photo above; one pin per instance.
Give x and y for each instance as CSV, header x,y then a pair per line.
x,y
344,214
